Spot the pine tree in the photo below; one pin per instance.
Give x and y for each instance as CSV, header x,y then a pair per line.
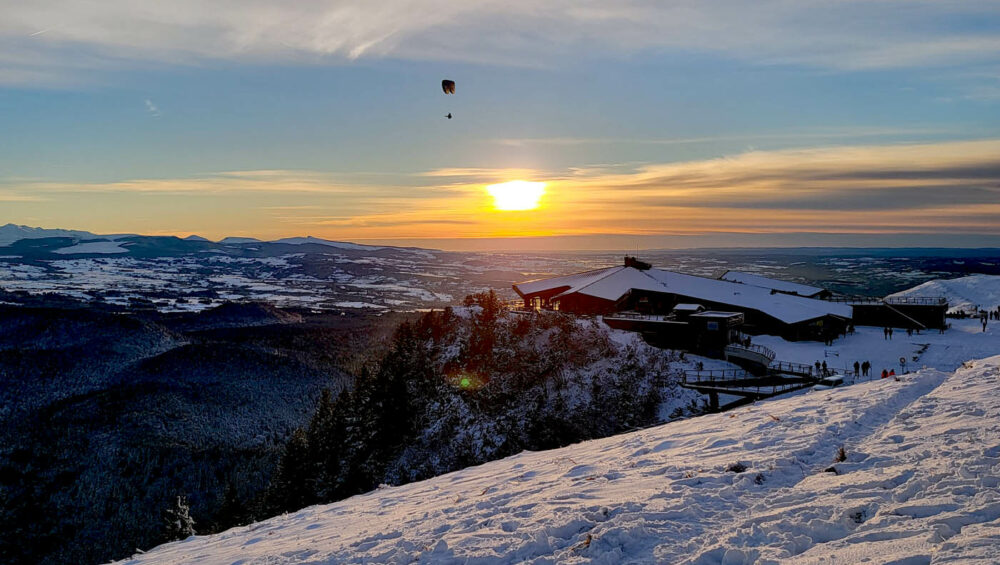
x,y
327,446
178,521
291,488
233,511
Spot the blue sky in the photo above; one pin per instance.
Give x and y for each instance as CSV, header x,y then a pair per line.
x,y
327,118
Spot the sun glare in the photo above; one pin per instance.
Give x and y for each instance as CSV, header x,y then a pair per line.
x,y
516,194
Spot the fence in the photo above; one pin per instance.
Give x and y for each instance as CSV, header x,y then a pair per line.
x,y
757,353
894,301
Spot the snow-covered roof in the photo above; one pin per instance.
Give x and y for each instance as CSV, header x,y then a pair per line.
x,y
688,307
614,282
785,307
775,284
715,314
572,283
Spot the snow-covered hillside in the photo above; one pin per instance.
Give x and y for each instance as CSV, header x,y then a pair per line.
x,y
966,294
920,484
9,233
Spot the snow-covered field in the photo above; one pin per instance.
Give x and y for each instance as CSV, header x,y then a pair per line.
x,y
920,484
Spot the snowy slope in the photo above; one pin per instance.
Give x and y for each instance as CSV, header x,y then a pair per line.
x,y
318,241
920,484
10,233
92,247
964,294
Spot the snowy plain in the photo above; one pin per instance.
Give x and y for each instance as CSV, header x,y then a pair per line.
x,y
917,482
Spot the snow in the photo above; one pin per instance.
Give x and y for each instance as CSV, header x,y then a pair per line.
x,y
358,305
946,352
920,484
11,233
92,247
612,283
787,308
235,239
572,282
965,294
764,282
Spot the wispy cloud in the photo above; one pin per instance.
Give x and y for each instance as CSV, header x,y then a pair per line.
x,y
833,35
152,109
13,197
931,188
847,132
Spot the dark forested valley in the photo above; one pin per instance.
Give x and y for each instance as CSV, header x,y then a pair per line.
x,y
107,418
124,431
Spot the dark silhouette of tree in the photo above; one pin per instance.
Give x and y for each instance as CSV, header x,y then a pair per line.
x,y
178,521
292,486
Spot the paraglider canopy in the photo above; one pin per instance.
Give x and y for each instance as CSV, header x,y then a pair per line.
x,y
448,86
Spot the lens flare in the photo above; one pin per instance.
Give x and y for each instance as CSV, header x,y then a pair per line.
x,y
516,195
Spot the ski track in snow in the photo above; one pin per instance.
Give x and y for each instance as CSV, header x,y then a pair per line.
x,y
920,485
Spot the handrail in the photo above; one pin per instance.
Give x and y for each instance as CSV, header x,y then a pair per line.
x,y
793,368
715,375
639,316
897,300
758,349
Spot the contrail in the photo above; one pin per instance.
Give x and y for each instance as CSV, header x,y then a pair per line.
x,y
46,30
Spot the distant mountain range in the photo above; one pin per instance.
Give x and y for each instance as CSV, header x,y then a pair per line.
x,y
78,242
13,232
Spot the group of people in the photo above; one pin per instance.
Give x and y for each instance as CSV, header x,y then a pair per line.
x,y
887,332
985,315
864,369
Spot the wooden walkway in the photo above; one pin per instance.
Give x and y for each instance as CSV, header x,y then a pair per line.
x,y
782,377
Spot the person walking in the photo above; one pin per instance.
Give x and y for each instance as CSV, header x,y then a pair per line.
x,y
825,371
866,368
885,333
817,368
856,367
890,333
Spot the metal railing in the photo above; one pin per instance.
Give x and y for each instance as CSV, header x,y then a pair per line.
x,y
639,316
740,350
714,376
787,367
895,301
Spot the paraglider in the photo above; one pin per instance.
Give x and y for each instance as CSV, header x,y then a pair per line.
x,y
448,86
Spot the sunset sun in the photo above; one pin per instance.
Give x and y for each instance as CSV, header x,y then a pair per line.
x,y
516,195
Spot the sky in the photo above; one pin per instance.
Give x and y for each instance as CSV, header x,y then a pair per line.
x,y
652,124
